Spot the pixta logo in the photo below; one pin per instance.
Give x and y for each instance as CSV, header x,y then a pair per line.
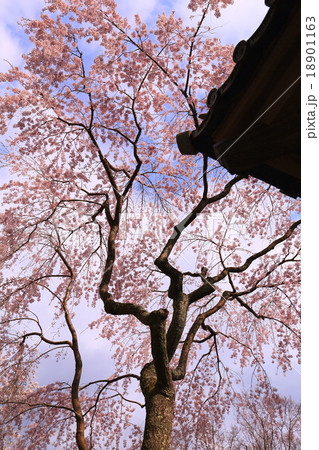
x,y
138,225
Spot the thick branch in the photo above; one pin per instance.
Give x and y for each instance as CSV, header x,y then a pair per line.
x,y
44,339
121,309
178,229
181,300
159,352
206,289
176,285
179,372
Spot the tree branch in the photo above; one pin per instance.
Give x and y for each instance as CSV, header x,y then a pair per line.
x,y
44,339
179,372
257,255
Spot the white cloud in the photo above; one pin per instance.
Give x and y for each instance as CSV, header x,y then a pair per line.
x,y
12,38
145,9
240,20
12,10
237,21
10,49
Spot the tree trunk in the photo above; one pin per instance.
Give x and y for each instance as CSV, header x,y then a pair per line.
x,y
159,411
80,439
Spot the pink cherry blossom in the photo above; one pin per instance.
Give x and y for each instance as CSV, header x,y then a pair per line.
x,y
110,238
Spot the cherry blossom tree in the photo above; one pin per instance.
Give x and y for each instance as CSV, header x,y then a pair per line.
x,y
263,420
268,421
182,270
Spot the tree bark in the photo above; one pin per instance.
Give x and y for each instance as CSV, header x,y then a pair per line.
x,y
79,436
159,411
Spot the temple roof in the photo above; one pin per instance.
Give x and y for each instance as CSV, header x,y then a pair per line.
x,y
253,122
